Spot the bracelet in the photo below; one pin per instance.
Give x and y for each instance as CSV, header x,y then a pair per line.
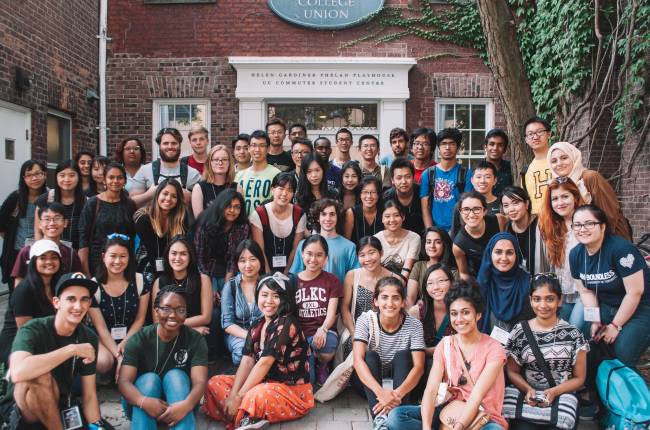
x,y
324,329
616,326
142,401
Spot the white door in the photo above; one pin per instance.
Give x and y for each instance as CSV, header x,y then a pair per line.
x,y
15,146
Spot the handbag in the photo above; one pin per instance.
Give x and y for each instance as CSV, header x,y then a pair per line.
x,y
455,409
562,413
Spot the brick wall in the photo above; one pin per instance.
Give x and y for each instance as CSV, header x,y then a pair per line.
x,y
55,42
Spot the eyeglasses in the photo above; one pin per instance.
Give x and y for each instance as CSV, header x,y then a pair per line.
x,y
420,144
169,130
541,275
118,236
561,180
220,160
48,220
180,311
303,153
343,139
35,175
475,210
588,225
538,133
136,149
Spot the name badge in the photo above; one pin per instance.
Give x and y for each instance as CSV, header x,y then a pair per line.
x,y
280,261
387,384
71,418
500,335
118,333
592,314
160,265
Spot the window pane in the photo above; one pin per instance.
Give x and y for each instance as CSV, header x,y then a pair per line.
x,y
478,138
183,117
58,139
462,116
325,116
446,116
465,143
478,117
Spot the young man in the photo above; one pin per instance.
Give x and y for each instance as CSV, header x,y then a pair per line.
x,y
406,193
300,148
369,149
496,145
168,166
423,142
342,253
343,144
484,178
52,222
240,152
323,148
256,180
537,176
399,140
47,355
442,184
276,155
200,142
297,131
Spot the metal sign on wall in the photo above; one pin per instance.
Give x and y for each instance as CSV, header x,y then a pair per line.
x,y
325,14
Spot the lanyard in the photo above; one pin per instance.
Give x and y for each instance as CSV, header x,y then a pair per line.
x,y
155,369
597,270
124,311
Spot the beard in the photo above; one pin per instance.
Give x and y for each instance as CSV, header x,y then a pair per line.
x,y
172,158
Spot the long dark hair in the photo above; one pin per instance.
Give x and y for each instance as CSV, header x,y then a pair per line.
x,y
23,191
212,218
252,247
37,287
354,165
447,258
101,273
79,198
428,322
97,160
305,195
124,196
193,283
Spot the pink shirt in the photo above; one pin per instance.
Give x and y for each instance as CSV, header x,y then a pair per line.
x,y
487,351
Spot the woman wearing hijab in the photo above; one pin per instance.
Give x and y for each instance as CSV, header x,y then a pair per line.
x,y
504,285
565,159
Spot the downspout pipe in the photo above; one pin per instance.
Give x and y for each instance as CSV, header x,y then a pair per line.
x,y
103,39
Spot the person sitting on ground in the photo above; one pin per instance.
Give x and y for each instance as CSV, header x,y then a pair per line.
x,y
47,356
166,385
272,381
401,247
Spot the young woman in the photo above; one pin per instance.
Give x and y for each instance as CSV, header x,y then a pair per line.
x,y
278,226
435,248
120,305
359,285
504,285
401,247
163,218
562,345
484,359
312,184
165,368
471,239
106,213
240,152
560,201
272,381
365,219
83,160
516,205
350,190
32,298
67,191
431,309
565,159
388,343
181,270
217,176
17,214
317,300
614,285
238,308
223,222
97,181
132,154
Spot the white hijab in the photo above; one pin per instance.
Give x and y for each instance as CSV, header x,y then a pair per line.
x,y
576,171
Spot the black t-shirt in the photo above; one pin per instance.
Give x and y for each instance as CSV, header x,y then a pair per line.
x,y
413,220
527,242
72,214
282,161
154,245
474,247
211,191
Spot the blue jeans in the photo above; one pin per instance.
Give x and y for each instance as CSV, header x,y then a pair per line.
x,y
174,387
236,347
574,314
634,337
410,418
329,348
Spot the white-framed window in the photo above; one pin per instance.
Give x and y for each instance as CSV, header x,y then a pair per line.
x,y
181,114
474,117
59,140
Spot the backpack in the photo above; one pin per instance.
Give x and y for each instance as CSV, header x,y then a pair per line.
x,y
460,181
625,396
155,169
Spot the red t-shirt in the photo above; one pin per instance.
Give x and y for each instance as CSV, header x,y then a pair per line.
x,y
195,164
418,172
312,298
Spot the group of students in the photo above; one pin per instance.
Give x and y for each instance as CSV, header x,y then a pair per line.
x,y
283,261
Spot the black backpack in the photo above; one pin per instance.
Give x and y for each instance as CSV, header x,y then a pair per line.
x,y
155,168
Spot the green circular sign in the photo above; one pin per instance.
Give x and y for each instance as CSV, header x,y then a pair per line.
x,y
325,14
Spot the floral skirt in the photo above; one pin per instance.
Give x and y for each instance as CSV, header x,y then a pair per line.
x,y
272,401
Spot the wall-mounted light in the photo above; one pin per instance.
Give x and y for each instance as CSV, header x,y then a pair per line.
x,y
23,80
91,95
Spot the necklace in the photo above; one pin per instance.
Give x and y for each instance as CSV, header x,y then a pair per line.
x,y
155,369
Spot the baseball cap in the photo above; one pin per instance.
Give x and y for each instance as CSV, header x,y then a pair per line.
x,y
77,279
42,246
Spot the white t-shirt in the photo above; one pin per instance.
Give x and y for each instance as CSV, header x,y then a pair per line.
x,y
279,228
409,248
143,180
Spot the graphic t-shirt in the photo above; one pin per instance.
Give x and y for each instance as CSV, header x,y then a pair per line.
x,y
537,178
256,185
445,193
341,259
281,161
312,299
604,271
186,351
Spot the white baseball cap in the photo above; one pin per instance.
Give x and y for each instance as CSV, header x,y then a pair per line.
x,y
42,246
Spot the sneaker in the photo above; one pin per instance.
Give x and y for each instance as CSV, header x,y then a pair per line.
x,y
588,410
322,373
249,423
379,421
